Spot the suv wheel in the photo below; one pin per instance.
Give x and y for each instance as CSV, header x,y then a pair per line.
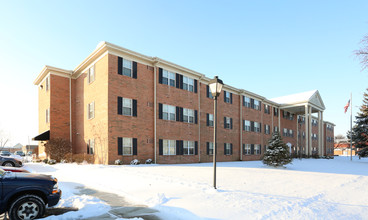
x,y
27,207
8,164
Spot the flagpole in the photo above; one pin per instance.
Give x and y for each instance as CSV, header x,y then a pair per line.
x,y
351,127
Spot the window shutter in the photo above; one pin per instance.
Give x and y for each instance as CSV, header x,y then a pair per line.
x,y
243,125
195,86
231,98
231,123
208,148
252,149
207,119
160,110
181,144
120,105
224,122
207,91
88,147
178,147
196,147
224,148
231,149
160,147
134,70
260,149
181,114
120,146
120,66
177,113
224,96
181,81
243,100
260,127
260,105
134,108
135,146
196,116
160,75
252,103
177,75
252,126
264,128
243,149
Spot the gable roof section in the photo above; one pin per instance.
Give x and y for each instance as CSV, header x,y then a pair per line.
x,y
311,97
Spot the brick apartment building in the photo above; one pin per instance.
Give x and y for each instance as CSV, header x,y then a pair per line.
x,y
120,104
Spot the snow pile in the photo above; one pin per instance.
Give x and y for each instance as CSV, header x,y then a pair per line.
x,y
306,189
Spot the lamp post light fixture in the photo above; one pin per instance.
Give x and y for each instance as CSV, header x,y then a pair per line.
x,y
215,87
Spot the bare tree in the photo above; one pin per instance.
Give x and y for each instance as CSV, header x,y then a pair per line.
x,y
101,145
362,53
340,136
4,139
58,148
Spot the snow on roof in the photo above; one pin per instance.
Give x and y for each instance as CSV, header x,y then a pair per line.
x,y
295,98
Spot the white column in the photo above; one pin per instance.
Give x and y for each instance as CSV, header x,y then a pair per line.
x,y
279,128
306,129
310,131
297,135
319,134
323,135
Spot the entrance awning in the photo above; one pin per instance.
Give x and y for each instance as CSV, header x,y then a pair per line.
x,y
45,136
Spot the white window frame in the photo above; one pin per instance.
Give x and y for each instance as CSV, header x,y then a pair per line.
x,y
127,65
168,78
285,133
188,115
169,147
227,98
210,148
47,119
91,146
168,112
91,110
210,120
257,104
247,126
127,105
246,101
228,123
267,108
188,84
91,74
247,149
47,83
275,129
127,146
257,127
267,129
227,149
257,149
291,133
188,146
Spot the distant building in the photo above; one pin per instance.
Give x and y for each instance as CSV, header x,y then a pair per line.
x,y
342,147
120,104
32,148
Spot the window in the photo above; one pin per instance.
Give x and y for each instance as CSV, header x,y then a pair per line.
x,y
188,147
168,112
246,101
267,129
127,146
285,132
291,117
257,127
228,149
257,149
246,125
127,107
301,119
91,146
291,134
285,114
188,84
210,148
47,82
169,147
188,115
210,120
228,122
47,115
247,149
257,104
275,129
227,97
276,112
168,78
267,109
127,67
91,110
91,74
303,134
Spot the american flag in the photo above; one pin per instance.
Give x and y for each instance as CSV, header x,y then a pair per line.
x,y
347,106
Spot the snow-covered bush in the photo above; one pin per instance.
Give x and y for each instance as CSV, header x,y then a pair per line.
x,y
277,153
118,162
148,161
51,162
134,162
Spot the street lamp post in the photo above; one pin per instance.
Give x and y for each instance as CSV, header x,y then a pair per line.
x,y
215,87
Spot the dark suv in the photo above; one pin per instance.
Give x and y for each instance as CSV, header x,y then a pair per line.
x,y
25,195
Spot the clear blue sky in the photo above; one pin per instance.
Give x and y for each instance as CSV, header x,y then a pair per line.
x,y
272,48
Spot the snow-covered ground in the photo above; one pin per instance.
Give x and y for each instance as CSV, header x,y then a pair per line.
x,y
306,189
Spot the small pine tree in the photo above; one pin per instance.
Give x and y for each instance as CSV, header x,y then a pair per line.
x,y
277,153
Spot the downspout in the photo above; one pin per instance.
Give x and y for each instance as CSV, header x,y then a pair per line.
x,y
241,127
199,118
70,116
